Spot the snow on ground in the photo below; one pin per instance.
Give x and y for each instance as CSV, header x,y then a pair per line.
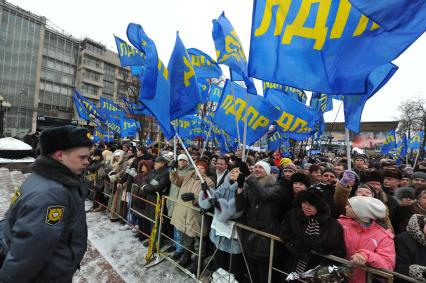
x,y
13,144
22,160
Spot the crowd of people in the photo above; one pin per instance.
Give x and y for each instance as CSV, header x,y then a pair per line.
x,y
371,215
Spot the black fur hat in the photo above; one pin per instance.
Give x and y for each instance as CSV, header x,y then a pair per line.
x,y
371,175
315,198
302,178
62,138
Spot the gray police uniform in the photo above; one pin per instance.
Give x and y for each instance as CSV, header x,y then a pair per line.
x,y
45,231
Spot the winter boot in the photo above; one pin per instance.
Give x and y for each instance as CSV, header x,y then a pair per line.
x,y
176,255
185,260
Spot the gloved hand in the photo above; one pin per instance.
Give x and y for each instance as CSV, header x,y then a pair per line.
x,y
187,196
240,180
112,176
348,177
132,172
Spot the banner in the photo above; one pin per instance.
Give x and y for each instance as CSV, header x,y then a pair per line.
x,y
233,107
229,50
184,92
88,107
204,65
329,46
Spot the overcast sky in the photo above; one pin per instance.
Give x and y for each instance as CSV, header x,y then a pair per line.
x,y
160,19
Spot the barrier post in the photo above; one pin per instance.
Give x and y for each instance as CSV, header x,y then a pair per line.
x,y
200,250
160,222
271,261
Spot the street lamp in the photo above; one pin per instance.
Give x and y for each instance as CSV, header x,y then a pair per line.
x,y
4,106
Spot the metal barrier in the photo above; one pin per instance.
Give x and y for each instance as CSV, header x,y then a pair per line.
x,y
158,220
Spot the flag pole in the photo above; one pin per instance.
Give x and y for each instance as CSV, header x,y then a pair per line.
x,y
245,127
348,148
415,161
205,142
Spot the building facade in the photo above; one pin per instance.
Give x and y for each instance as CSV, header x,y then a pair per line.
x,y
40,67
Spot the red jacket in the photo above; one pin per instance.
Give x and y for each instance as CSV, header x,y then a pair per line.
x,y
374,242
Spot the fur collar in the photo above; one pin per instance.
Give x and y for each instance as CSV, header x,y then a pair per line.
x,y
267,181
414,230
49,168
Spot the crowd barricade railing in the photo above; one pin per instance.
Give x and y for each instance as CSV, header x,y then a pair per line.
x,y
370,271
158,220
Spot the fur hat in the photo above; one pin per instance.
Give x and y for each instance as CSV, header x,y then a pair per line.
x,y
367,187
366,208
302,178
63,138
265,165
329,170
371,175
392,173
418,175
419,192
315,198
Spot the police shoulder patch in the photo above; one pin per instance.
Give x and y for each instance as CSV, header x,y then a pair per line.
x,y
54,214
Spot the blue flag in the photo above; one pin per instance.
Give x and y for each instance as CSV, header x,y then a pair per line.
x,y
401,150
109,108
295,119
389,143
326,46
229,50
144,44
88,107
184,92
100,135
158,82
137,71
204,65
204,87
416,141
129,127
233,106
274,140
293,92
354,104
80,109
321,102
135,109
129,56
189,127
215,93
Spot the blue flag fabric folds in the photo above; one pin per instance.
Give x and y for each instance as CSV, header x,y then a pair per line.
x,y
416,141
295,119
143,43
215,93
80,109
325,46
204,87
293,92
401,150
354,104
229,50
135,109
155,91
184,92
109,108
100,135
129,56
321,102
189,127
389,143
88,107
204,65
129,127
233,106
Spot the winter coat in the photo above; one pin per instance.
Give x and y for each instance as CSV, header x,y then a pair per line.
x,y
156,182
401,216
140,180
411,251
45,231
373,242
225,195
261,201
186,219
174,189
293,233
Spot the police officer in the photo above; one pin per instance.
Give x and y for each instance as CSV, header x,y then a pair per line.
x,y
45,231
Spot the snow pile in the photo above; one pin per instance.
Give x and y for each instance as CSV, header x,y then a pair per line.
x,y
13,144
22,160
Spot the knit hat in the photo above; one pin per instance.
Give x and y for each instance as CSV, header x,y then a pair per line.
x,y
392,173
274,169
63,138
328,170
419,192
284,161
366,208
372,175
301,178
290,166
182,157
418,175
265,166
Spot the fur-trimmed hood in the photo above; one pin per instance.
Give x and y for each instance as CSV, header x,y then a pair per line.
x,y
414,229
49,168
267,181
315,198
